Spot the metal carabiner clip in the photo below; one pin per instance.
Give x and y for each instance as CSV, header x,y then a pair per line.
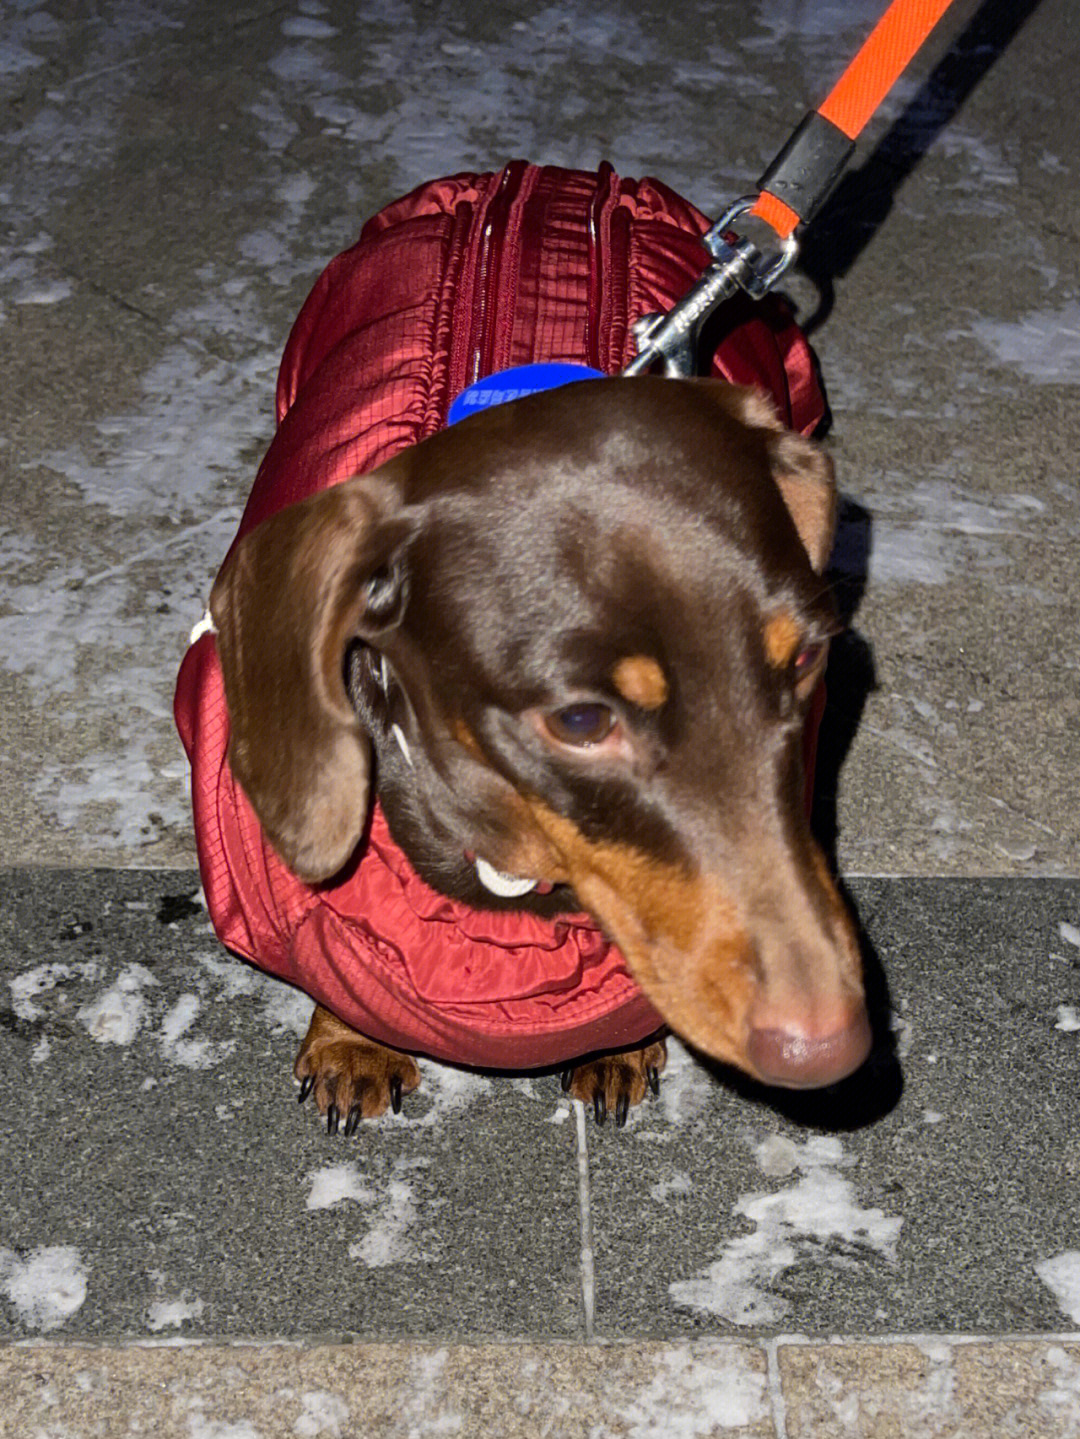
x,y
671,337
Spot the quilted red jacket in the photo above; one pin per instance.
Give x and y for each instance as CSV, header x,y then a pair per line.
x,y
461,278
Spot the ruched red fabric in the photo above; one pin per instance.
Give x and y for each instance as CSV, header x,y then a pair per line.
x,y
463,277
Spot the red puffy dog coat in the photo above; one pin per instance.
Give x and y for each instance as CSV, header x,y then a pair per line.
x,y
462,278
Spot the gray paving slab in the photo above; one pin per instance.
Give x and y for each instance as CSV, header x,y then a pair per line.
x,y
155,1135
175,176
161,1182
918,1197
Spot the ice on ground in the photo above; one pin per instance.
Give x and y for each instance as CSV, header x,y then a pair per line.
x,y
117,1014
172,1313
200,1427
816,1220
696,1391
1062,1398
676,1183
335,1184
190,1053
388,1241
391,1212
42,292
1061,1275
424,1407
324,1414
450,1091
26,987
1043,345
46,1287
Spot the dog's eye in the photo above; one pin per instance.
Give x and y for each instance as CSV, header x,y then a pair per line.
x,y
581,725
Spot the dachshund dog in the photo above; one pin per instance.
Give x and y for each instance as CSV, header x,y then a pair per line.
x,y
573,637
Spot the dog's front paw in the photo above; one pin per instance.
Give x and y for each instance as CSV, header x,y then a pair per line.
x,y
349,1075
616,1081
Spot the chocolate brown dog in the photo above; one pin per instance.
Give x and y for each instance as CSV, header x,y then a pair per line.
x,y
575,636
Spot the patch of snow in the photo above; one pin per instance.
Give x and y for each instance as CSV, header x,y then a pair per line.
x,y
117,1014
817,1220
234,977
929,530
388,1240
335,1184
304,27
200,415
324,1413
42,292
25,987
425,1411
46,1287
1062,1398
676,1183
172,1313
200,1427
450,1090
286,1010
1043,345
190,1053
1061,1275
697,1390
685,1090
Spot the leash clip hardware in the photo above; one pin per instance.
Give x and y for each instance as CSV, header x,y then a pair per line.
x,y
671,336
752,269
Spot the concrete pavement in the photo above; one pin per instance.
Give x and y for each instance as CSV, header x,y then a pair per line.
x,y
904,1261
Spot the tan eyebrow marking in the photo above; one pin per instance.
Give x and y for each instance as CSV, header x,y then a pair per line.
x,y
782,637
639,679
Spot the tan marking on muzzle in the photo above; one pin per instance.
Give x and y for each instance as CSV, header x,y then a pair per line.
x,y
467,740
681,938
639,679
782,637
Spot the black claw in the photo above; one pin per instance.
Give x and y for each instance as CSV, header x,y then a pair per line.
x,y
307,1084
599,1106
352,1120
333,1118
622,1109
566,1079
395,1093
653,1075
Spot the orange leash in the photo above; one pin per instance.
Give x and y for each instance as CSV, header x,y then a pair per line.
x,y
792,189
885,55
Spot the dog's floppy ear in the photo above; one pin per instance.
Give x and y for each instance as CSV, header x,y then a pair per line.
x,y
803,473
289,599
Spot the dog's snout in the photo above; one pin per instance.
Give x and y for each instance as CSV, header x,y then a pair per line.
x,y
797,1052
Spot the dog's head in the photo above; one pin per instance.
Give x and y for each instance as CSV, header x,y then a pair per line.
x,y
582,631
